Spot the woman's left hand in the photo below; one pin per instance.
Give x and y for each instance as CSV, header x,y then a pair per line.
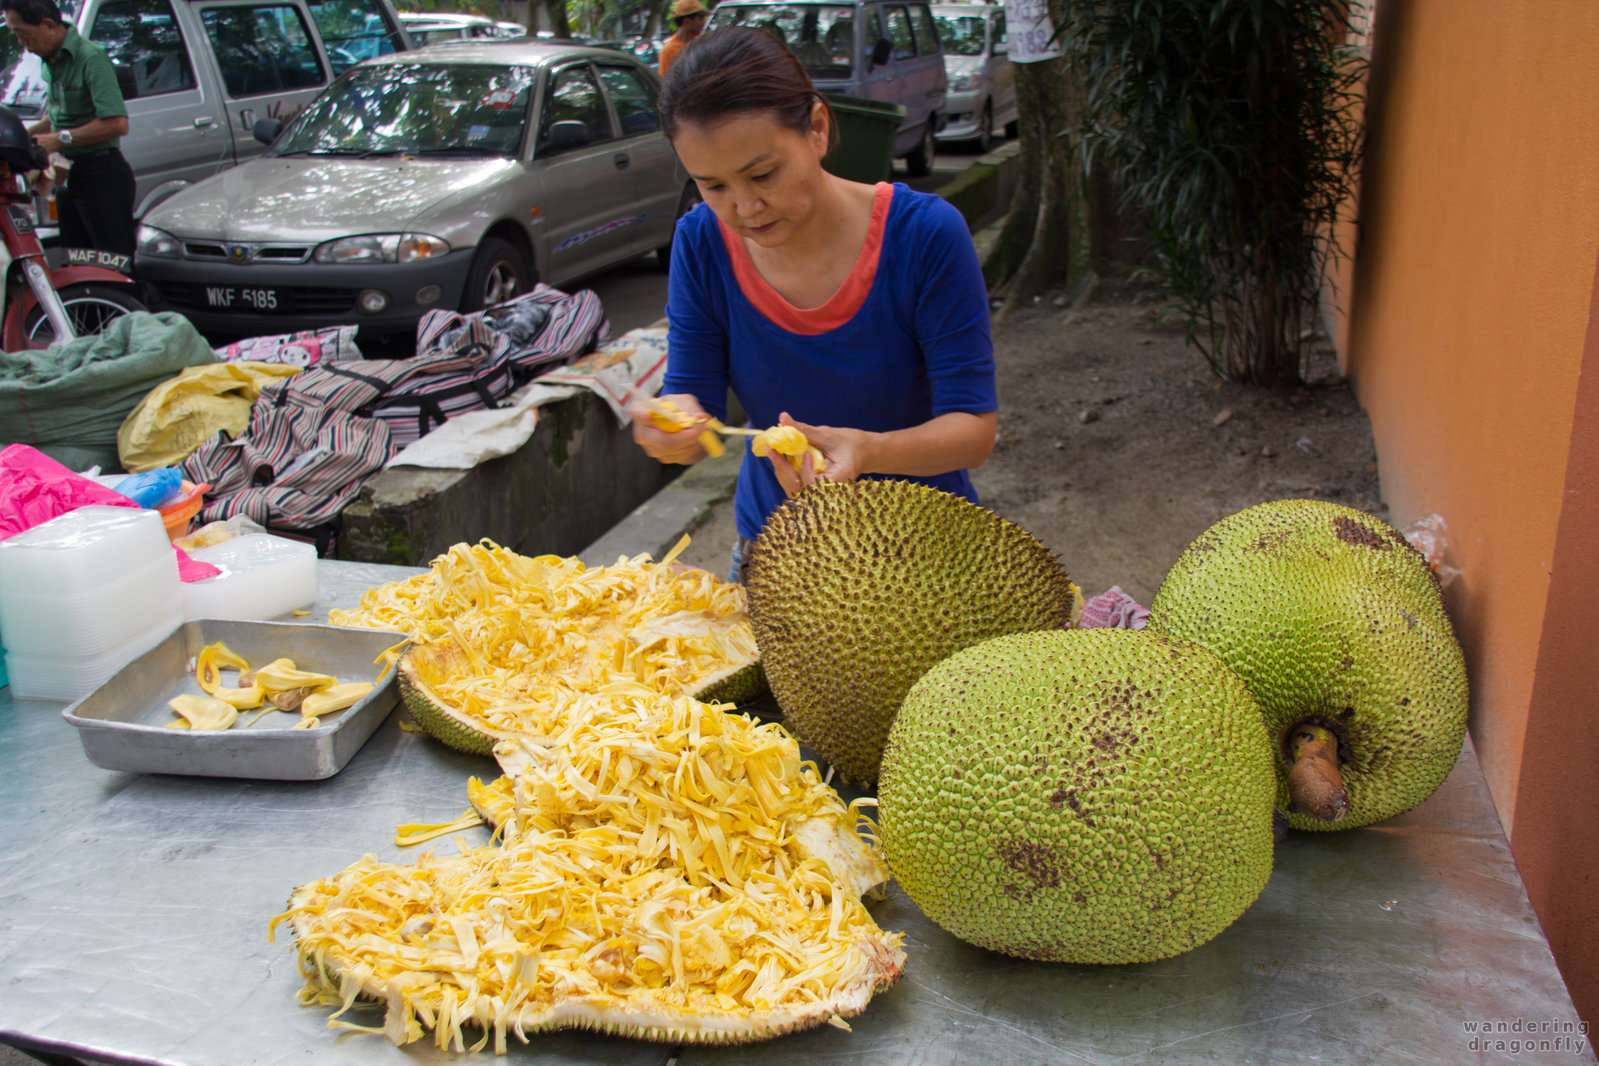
x,y
844,450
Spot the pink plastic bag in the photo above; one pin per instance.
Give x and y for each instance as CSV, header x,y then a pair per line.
x,y
34,488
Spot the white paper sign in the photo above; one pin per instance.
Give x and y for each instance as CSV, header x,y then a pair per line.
x,y
1029,30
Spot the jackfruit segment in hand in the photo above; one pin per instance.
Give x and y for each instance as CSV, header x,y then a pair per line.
x,y
786,440
670,417
1090,796
857,588
1335,622
653,882
202,712
500,636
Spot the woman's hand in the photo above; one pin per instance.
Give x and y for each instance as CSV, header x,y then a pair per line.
x,y
682,446
845,452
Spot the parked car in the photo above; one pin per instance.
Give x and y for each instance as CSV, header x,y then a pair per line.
x,y
198,74
982,79
875,49
449,177
425,28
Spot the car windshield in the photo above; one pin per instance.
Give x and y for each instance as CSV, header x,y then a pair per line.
x,y
821,35
961,35
416,109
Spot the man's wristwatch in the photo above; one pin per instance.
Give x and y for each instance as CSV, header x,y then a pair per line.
x,y
66,137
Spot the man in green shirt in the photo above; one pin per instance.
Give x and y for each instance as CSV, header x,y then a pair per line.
x,y
84,121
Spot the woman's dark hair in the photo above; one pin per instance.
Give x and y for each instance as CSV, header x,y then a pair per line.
x,y
734,72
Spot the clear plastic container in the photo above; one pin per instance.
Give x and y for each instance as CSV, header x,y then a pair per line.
x,y
81,551
45,677
80,624
262,576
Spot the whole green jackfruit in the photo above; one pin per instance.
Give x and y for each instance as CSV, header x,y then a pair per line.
x,y
1335,621
856,588
1092,796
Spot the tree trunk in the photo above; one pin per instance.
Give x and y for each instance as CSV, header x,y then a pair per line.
x,y
555,11
1050,237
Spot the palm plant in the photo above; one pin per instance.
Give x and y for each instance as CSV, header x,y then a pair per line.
x,y
1232,130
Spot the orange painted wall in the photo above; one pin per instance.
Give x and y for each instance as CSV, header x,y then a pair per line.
x,y
1480,226
1472,346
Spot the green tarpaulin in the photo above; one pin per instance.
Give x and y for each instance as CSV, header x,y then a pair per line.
x,y
70,399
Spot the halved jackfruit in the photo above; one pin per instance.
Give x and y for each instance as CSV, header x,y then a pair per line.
x,y
670,872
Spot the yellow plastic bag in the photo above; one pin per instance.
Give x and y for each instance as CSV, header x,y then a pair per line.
x,y
176,416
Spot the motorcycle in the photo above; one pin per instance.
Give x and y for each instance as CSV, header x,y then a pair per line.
x,y
57,303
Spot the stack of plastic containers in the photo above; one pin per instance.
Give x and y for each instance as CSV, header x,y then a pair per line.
x,y
83,595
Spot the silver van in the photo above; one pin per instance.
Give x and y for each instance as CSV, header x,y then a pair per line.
x,y
198,74
982,79
884,50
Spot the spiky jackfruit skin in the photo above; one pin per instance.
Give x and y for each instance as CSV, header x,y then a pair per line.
x,y
1091,796
856,588
739,686
431,712
1330,615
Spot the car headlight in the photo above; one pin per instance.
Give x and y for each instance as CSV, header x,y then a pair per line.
x,y
158,243
381,248
961,82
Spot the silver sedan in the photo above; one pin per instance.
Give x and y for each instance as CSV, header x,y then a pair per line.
x,y
449,177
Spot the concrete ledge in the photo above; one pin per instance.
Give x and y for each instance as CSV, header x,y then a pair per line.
x,y
577,476
983,190
657,523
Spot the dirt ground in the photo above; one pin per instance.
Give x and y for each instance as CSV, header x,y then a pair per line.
x,y
1117,446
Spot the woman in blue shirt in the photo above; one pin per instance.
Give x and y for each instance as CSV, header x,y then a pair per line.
x,y
855,313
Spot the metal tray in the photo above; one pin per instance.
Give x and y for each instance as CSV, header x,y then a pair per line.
x,y
122,723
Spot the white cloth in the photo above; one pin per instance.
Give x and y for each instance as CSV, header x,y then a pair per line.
x,y
636,360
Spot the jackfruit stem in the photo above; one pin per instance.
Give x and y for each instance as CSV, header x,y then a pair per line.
x,y
1315,787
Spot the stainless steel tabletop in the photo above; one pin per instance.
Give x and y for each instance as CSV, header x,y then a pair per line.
x,y
133,914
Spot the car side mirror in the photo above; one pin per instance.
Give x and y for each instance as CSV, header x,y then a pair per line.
x,y
266,130
882,51
568,133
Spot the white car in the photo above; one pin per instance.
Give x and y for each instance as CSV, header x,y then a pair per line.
x,y
432,27
982,79
454,177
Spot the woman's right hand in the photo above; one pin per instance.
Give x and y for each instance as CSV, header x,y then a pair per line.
x,y
681,446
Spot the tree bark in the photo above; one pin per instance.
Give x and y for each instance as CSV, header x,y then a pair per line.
x,y
1050,236
555,11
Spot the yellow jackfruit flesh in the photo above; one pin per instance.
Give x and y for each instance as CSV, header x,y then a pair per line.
x,y
1334,621
203,712
659,878
1088,796
501,636
855,589
786,440
281,675
208,667
670,417
335,697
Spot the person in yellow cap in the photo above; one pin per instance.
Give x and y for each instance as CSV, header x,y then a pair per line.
x,y
690,18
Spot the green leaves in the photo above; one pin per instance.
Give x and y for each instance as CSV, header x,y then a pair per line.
x,y
1233,128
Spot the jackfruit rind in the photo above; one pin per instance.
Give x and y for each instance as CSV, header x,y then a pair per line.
x,y
668,871
1331,617
856,588
1091,796
510,633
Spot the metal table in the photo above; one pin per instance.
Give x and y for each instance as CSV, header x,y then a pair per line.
x,y
133,913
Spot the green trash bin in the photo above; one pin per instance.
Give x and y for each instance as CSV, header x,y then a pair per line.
x,y
866,129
